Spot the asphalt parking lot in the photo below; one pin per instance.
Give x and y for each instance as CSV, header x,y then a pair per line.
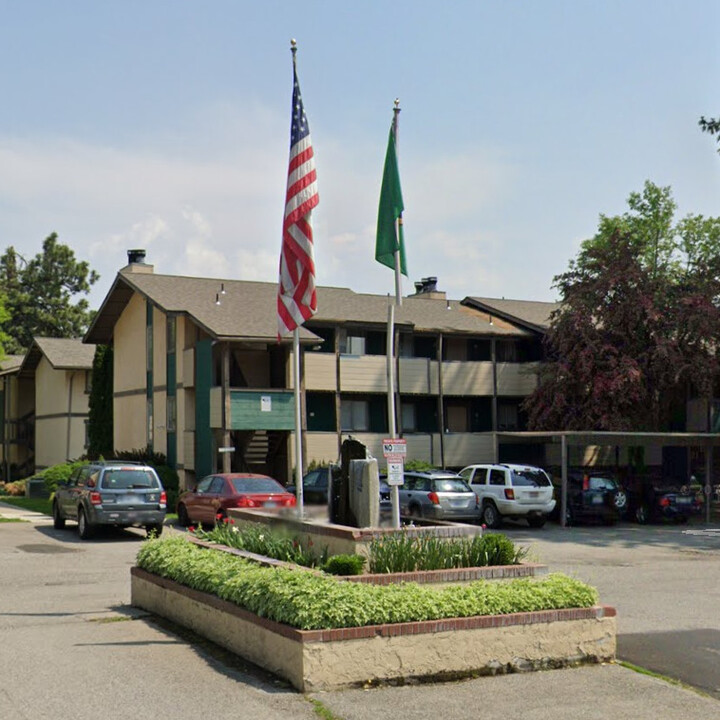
x,y
65,614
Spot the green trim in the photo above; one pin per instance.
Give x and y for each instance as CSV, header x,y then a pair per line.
x,y
149,355
171,369
203,434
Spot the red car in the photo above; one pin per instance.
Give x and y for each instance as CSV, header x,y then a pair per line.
x,y
215,494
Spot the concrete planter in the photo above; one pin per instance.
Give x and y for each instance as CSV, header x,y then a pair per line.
x,y
441,649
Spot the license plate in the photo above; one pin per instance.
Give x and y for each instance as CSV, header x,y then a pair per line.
x,y
270,504
683,500
597,500
534,494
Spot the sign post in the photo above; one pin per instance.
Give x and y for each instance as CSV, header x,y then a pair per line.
x,y
394,452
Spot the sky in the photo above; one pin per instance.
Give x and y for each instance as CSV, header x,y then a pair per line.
x,y
164,125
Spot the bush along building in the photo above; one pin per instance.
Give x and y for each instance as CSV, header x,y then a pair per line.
x,y
200,376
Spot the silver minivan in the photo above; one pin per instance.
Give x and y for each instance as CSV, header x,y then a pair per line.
x,y
518,492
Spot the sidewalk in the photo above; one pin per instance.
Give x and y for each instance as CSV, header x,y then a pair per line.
x,y
13,512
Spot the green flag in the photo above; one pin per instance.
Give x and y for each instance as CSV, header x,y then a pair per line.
x,y
390,232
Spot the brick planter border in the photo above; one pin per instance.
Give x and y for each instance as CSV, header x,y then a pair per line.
x,y
326,659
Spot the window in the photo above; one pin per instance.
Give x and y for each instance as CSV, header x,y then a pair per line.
x,y
87,434
409,421
204,484
507,351
351,344
507,416
88,383
497,477
355,415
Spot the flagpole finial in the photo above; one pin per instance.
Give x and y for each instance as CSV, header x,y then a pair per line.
x,y
397,103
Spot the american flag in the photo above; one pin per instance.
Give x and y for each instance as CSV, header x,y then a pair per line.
x,y
297,300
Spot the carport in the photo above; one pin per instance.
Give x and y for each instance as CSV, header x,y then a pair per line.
x,y
569,438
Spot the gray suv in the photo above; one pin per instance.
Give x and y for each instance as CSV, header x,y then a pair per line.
x,y
111,493
439,495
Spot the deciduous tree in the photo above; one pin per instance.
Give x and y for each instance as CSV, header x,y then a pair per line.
x,y
638,322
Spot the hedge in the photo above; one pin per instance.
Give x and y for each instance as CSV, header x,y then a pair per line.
x,y
311,601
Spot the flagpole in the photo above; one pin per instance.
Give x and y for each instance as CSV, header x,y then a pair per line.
x,y
298,424
394,492
398,287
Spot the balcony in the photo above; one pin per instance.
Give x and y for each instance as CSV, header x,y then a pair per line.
x,y
254,409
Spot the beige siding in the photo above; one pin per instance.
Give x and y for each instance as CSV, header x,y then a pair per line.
x,y
463,449
188,446
216,407
467,378
160,422
129,422
129,349
51,389
597,456
320,371
60,395
321,447
418,376
516,379
367,373
188,367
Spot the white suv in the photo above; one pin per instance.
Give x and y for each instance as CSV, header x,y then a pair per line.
x,y
512,491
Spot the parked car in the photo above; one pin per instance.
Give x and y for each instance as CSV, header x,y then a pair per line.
x,y
591,497
216,494
385,501
437,494
111,493
518,492
316,485
661,499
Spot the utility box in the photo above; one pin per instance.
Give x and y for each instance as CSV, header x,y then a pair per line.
x,y
35,488
364,492
354,497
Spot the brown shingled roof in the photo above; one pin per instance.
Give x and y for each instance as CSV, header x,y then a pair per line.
x,y
248,309
61,353
529,313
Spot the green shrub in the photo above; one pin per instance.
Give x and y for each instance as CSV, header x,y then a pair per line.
x,y
171,482
404,552
59,473
344,565
312,601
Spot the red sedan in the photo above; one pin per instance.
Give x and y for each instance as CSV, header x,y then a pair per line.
x,y
215,494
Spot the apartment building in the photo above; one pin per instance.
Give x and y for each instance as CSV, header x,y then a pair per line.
x,y
200,376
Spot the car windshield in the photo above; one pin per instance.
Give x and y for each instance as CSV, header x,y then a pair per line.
x,y
256,485
450,485
530,478
125,479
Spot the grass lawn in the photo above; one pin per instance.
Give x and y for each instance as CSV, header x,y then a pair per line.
x,y
41,505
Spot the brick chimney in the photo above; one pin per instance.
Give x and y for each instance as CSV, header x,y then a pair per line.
x,y
427,288
136,262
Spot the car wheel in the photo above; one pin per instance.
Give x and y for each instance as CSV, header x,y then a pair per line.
x,y
642,514
183,517
536,522
155,530
58,519
490,515
85,529
620,501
